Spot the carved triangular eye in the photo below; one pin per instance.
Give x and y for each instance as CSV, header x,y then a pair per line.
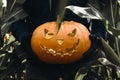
x,y
45,31
47,35
73,33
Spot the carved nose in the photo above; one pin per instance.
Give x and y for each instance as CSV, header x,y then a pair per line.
x,y
60,41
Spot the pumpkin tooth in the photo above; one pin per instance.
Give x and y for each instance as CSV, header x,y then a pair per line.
x,y
52,51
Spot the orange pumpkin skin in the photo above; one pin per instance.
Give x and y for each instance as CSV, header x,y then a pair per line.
x,y
66,45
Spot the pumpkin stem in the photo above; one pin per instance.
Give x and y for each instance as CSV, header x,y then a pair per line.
x,y
60,18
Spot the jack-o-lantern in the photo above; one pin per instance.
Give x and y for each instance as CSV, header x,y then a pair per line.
x,y
66,45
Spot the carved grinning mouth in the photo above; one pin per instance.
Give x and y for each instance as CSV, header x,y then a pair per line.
x,y
62,53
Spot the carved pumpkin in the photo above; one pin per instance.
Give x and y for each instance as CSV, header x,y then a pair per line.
x,y
66,45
